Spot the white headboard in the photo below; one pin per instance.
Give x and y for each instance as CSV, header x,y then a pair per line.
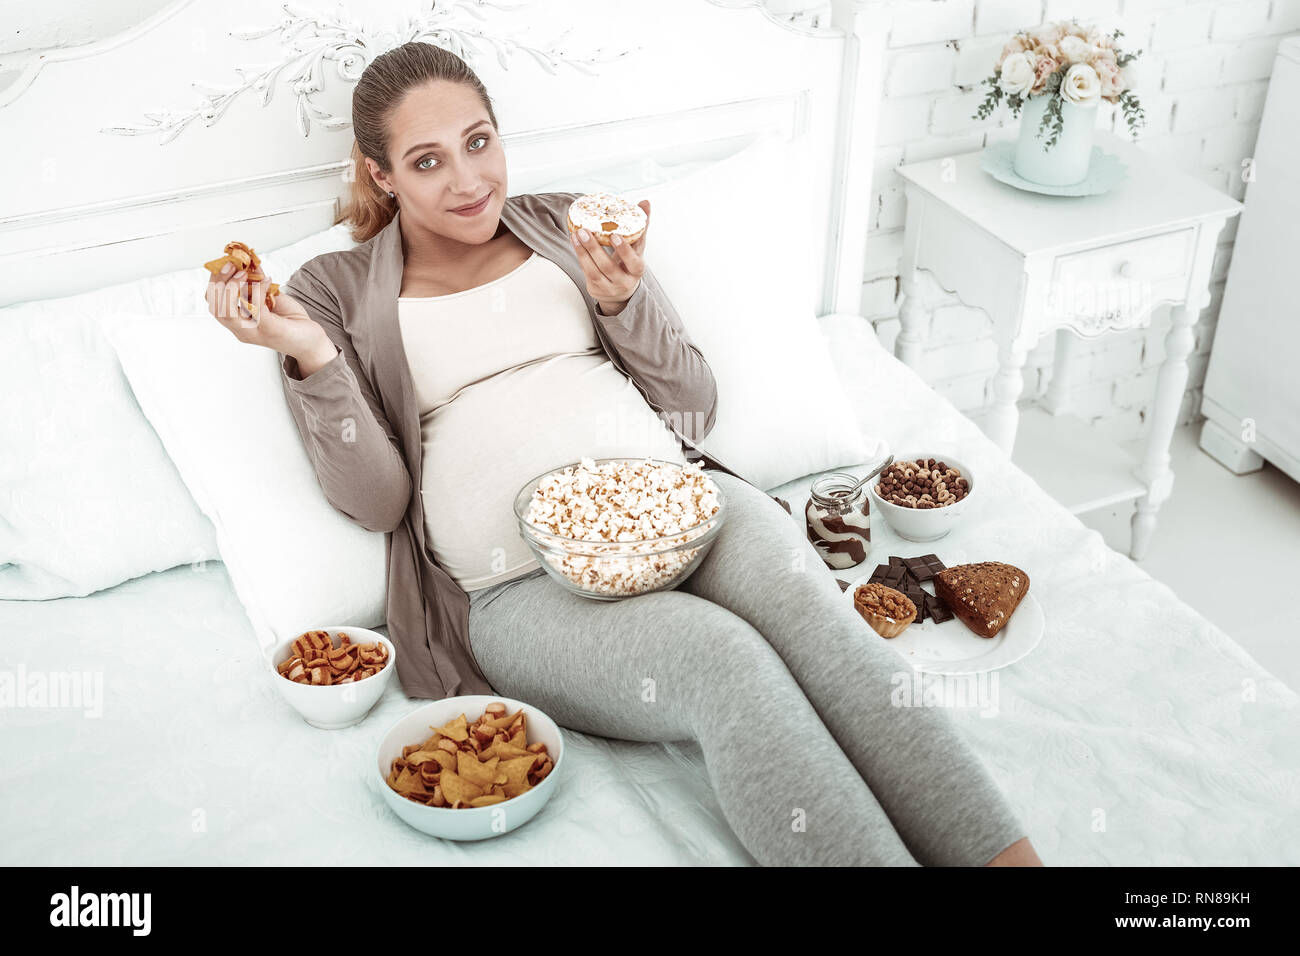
x,y
144,152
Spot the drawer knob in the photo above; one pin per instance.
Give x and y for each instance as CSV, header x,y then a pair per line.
x,y
1126,269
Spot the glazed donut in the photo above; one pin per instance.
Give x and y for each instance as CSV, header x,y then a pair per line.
x,y
605,215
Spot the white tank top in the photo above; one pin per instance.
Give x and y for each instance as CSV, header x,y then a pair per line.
x,y
511,381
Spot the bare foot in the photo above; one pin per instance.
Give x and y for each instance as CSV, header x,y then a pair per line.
x,y
1020,853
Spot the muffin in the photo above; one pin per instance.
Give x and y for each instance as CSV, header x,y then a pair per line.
x,y
605,216
886,610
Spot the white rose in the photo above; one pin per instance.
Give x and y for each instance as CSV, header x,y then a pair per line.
x,y
1047,33
1081,85
1074,49
1017,74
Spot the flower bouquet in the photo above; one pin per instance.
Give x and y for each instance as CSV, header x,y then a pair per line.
x,y
1059,73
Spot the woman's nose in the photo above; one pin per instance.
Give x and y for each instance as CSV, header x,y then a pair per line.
x,y
464,181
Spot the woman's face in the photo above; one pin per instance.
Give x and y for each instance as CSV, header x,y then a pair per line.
x,y
445,155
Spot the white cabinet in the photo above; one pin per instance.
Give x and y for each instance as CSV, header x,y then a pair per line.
x,y
1078,266
1252,384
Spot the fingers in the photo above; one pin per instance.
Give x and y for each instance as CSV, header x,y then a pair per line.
x,y
591,257
629,255
639,245
230,296
227,296
215,292
257,296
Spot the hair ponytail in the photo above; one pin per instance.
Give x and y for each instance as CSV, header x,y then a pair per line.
x,y
368,208
383,84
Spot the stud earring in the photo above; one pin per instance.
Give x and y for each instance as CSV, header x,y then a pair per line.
x,y
390,195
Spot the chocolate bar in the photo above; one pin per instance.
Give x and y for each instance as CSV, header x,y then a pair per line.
x,y
937,609
916,594
890,575
923,568
905,575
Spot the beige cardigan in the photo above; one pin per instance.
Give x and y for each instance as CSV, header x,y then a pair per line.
x,y
360,424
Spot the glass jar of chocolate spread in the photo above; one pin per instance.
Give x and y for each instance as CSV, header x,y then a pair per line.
x,y
839,525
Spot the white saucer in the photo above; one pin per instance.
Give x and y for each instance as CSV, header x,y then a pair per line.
x,y
1105,171
952,647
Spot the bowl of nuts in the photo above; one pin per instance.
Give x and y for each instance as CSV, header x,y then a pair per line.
x,y
610,528
922,497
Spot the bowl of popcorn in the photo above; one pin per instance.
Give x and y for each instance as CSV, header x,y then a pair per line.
x,y
333,675
610,528
922,496
469,767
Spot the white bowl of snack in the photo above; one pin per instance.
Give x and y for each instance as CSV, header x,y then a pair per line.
x,y
471,767
922,497
333,686
610,528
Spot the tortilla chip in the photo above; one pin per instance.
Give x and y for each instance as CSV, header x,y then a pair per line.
x,y
456,790
456,730
477,773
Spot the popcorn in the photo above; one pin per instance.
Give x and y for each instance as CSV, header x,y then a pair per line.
x,y
616,503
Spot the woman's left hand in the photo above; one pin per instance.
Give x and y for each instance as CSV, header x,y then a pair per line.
x,y
611,279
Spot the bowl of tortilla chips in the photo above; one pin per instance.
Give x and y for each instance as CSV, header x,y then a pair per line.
x,y
470,767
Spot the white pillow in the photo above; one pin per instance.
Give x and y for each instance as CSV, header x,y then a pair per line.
x,y
738,268
91,498
295,562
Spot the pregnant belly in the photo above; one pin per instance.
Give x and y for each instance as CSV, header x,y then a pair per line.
x,y
481,447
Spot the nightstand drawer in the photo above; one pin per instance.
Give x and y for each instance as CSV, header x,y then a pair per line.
x,y
1116,285
1143,260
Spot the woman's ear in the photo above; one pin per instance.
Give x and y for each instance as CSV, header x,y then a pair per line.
x,y
377,175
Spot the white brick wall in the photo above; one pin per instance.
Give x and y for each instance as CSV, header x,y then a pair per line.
x,y
1202,78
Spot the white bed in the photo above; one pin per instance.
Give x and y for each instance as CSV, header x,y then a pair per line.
x,y
1126,738
1135,733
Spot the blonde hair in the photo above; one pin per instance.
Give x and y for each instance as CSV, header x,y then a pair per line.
x,y
383,84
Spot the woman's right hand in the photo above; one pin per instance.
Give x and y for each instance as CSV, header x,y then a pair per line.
x,y
287,328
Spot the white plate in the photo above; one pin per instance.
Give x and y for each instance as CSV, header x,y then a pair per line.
x,y
1105,171
952,647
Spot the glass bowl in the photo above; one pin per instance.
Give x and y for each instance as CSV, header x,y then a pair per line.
x,y
612,570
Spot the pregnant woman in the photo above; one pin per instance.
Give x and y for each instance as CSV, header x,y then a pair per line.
x,y
468,343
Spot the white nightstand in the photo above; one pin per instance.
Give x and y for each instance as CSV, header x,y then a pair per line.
x,y
1085,265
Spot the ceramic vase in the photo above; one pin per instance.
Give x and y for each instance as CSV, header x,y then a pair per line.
x,y
1066,161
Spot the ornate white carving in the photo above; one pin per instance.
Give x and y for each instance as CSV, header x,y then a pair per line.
x,y
806,17
309,39
1114,320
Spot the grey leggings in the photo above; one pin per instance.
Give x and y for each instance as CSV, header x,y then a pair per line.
x,y
759,658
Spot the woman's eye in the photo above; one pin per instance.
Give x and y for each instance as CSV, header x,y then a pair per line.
x,y
420,163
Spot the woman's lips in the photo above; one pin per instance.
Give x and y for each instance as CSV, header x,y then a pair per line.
x,y
475,209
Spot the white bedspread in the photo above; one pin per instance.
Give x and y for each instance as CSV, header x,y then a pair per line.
x,y
1136,733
